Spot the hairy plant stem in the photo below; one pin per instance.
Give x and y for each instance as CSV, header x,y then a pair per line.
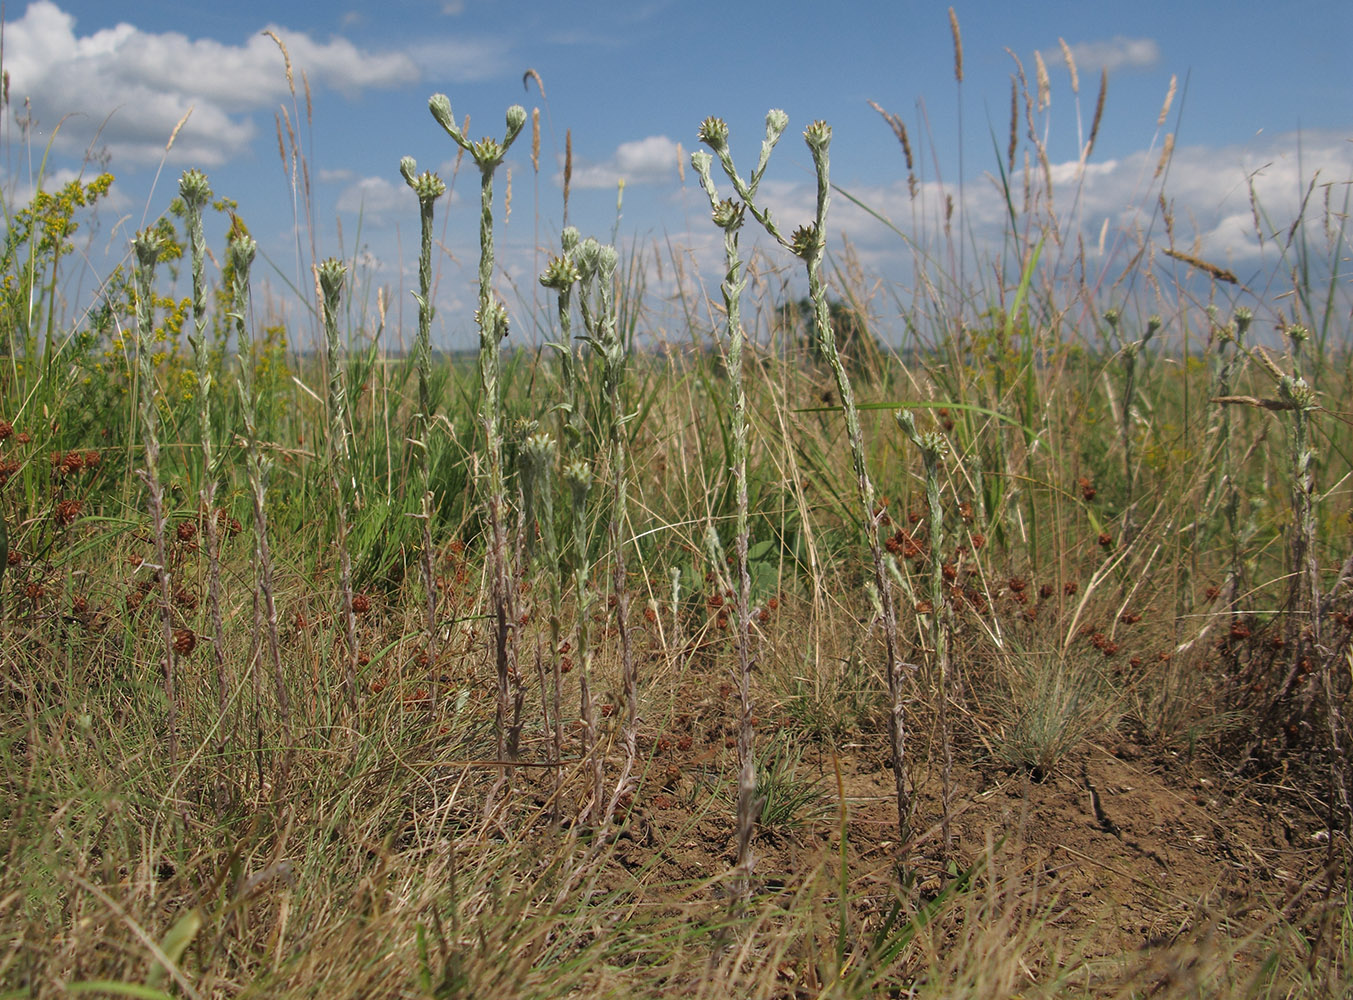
x,y
195,192
810,244
146,247
729,216
578,477
429,187
933,448
331,274
492,319
241,251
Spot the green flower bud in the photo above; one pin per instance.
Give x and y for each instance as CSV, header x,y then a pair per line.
x,y
818,136
1243,319
241,252
440,106
568,239
607,261
714,133
776,123
331,274
408,167
516,118
588,258
194,189
147,248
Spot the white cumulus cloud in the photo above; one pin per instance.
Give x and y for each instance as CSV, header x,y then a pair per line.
x,y
1118,52
125,89
643,161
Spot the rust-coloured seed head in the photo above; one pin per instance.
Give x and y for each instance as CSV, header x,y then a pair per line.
x,y
186,531
13,557
361,604
185,598
1105,540
185,641
565,664
67,511
6,429
1070,587
650,616
1087,488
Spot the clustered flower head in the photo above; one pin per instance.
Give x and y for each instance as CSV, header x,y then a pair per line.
x,y
818,136
714,133
560,273
728,214
804,241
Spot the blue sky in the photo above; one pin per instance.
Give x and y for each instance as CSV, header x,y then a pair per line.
x,y
633,81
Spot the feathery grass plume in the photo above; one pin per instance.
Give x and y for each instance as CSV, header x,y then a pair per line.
x,y
568,168
1099,113
933,448
330,274
578,479
1212,270
1013,145
492,319
958,45
1169,99
899,128
728,215
240,254
428,187
1070,60
1044,83
146,247
196,193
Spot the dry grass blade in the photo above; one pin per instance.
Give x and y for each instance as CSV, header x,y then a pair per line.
x,y
1220,273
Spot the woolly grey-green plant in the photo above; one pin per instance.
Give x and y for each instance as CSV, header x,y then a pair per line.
x,y
428,187
196,193
491,317
728,214
146,247
240,253
331,273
